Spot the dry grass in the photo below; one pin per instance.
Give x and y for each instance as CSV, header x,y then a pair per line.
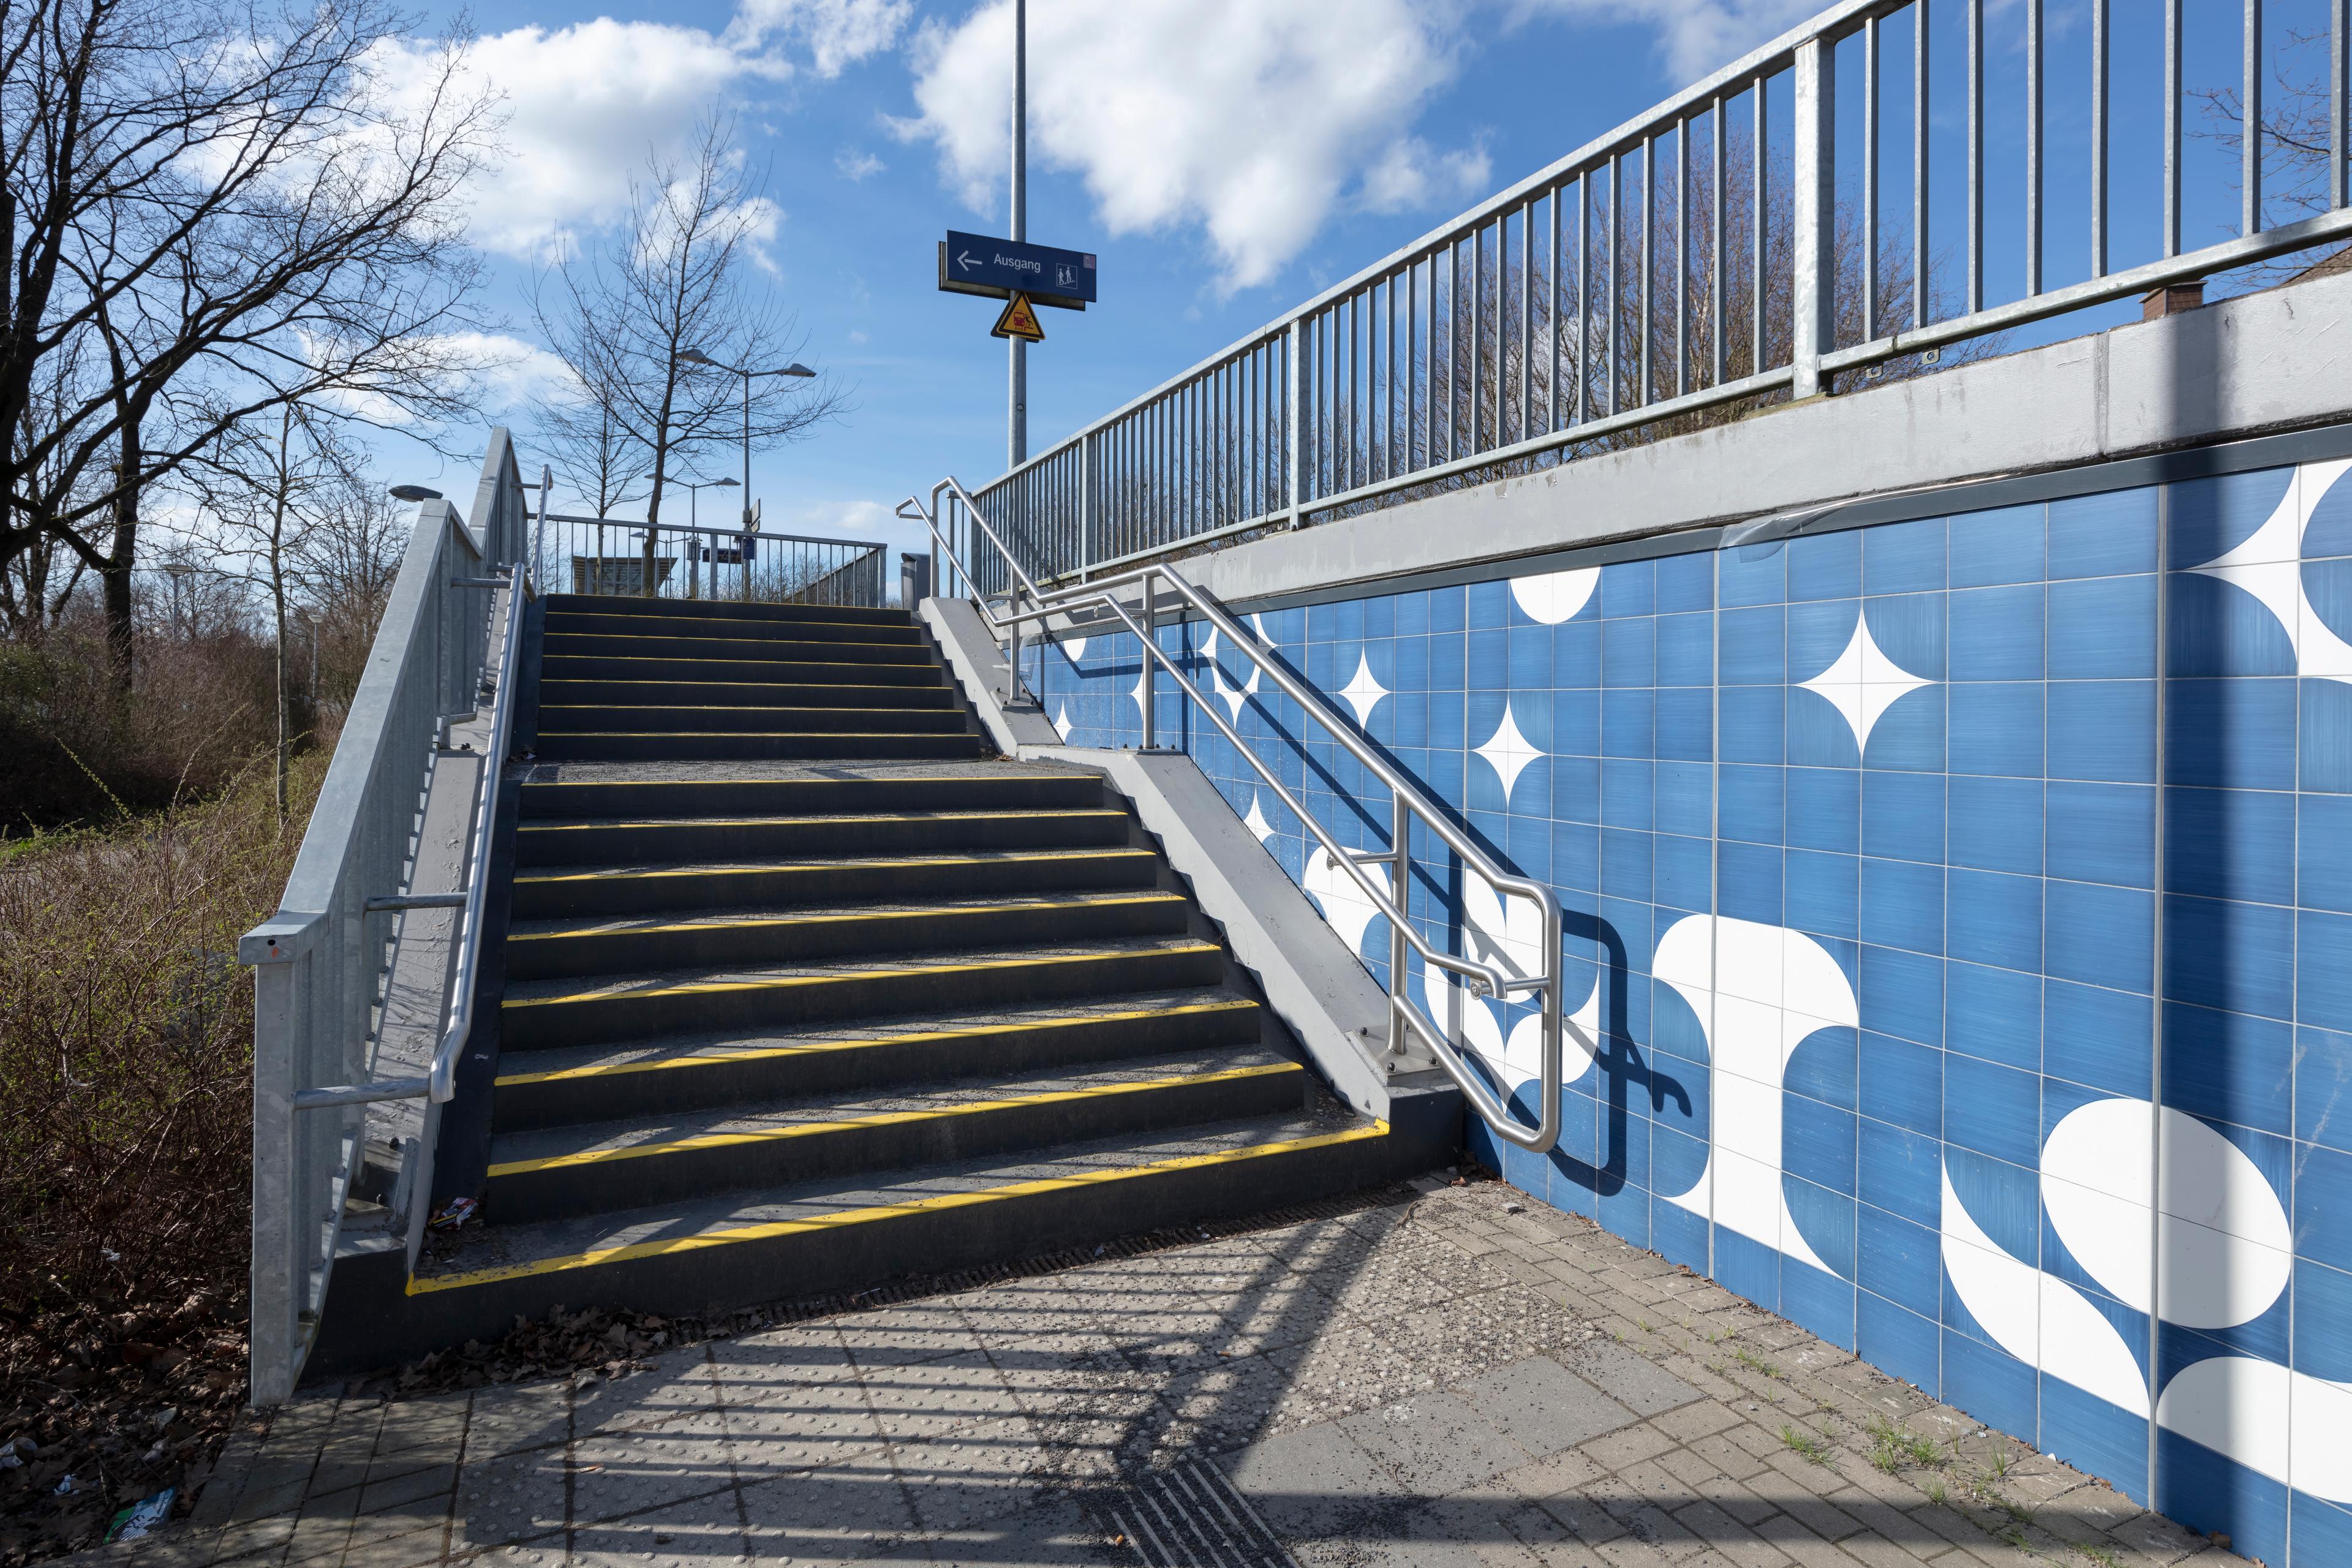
x,y
125,1149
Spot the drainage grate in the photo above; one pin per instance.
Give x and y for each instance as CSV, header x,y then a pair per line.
x,y
1190,1517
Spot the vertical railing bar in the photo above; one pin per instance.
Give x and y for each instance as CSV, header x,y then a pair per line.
x,y
2034,146
1682,256
2099,97
2250,149
1583,295
1608,403
1412,327
1756,237
1976,156
1553,292
1645,287
1527,318
1479,427
1389,382
1719,265
1870,176
1920,261
2171,127
1453,342
2339,44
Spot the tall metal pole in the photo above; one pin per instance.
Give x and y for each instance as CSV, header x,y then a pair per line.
x,y
1017,414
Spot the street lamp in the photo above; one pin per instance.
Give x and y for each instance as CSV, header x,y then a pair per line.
x,y
177,570
696,356
413,492
693,498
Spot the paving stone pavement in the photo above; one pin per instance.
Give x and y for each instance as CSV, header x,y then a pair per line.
x,y
1454,1379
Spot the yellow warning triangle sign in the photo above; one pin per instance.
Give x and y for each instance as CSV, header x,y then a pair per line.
x,y
1019,321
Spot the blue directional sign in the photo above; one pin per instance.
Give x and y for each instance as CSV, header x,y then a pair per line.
x,y
977,264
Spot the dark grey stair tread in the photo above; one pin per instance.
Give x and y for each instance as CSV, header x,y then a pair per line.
x,y
760,1215
638,1137
768,819
784,771
685,1051
719,616
666,870
804,915
748,976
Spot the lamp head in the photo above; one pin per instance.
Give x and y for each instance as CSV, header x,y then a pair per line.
x,y
696,356
413,492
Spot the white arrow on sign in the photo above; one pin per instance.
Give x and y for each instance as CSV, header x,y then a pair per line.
x,y
963,259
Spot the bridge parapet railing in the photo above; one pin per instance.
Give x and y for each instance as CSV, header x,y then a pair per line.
x,y
1696,256
443,652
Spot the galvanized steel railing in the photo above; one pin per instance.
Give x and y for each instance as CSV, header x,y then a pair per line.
x,y
611,556
1594,298
1407,804
319,962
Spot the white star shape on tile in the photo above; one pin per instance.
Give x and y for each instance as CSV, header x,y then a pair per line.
x,y
1062,722
1072,648
1256,821
1363,693
2268,566
1863,682
1508,752
1228,693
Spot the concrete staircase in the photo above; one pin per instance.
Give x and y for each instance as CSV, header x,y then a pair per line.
x,y
806,990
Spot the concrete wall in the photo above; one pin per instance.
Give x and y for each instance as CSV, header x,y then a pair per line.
x,y
1960,905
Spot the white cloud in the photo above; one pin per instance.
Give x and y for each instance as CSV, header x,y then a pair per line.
x,y
839,33
1411,173
1694,36
856,163
584,106
1255,118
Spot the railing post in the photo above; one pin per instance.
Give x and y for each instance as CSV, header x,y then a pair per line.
x,y
279,1267
1294,419
1400,895
1012,650
1085,505
1150,676
1814,313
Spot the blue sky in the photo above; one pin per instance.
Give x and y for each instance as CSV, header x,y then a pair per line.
x,y
1225,158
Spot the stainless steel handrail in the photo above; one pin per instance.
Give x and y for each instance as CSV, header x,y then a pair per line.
x,y
1406,802
439,1085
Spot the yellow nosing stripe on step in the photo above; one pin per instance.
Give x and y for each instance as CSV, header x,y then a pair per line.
x,y
826,916
821,1048
876,863
718,986
889,1118
776,1229
828,642
843,817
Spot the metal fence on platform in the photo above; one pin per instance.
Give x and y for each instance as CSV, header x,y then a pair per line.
x,y
1698,258
615,557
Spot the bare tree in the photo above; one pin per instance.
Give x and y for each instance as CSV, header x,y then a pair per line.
x,y
213,208
350,553
679,276
2296,143
265,487
580,425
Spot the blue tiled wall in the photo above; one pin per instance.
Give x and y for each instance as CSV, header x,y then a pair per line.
x,y
1936,855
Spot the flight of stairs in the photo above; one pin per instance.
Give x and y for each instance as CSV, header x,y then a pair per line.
x,y
805,989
